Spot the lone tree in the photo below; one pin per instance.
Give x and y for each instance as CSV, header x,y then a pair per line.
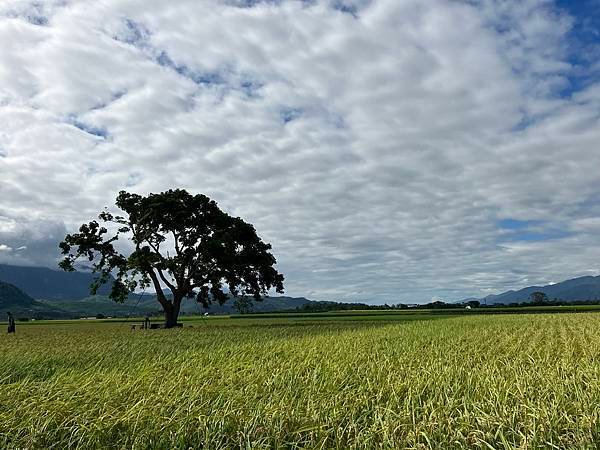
x,y
538,297
243,305
180,242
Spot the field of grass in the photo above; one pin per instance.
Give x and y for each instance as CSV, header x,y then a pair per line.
x,y
391,381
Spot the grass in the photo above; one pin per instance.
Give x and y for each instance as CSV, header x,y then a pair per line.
x,y
417,381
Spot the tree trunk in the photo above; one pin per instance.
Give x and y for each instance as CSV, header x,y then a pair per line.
x,y
170,318
172,313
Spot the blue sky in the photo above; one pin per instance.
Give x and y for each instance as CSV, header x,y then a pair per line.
x,y
583,41
530,231
582,46
390,150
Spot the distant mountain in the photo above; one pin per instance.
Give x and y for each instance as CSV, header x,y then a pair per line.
x,y
148,302
17,302
140,305
582,288
12,295
267,304
101,304
69,293
44,283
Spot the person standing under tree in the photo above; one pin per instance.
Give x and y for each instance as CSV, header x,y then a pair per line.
x,y
11,323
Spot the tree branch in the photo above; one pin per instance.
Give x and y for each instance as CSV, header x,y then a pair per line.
x,y
156,249
169,284
160,295
176,239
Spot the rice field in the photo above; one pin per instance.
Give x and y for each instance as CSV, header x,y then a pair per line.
x,y
525,381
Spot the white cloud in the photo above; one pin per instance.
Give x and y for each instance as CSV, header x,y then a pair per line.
x,y
376,144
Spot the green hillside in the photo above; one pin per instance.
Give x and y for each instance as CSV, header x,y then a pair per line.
x,y
21,305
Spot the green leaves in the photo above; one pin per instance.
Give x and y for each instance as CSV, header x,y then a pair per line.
x,y
181,241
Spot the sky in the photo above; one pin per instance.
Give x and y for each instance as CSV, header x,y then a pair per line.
x,y
389,150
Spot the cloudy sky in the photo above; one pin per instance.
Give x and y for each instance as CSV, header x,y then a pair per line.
x,y
390,150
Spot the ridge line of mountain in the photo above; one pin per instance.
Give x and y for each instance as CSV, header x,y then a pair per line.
x,y
584,288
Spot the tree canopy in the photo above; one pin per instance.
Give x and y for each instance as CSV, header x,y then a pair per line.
x,y
180,242
538,297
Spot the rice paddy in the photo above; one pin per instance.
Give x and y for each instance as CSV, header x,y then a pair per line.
x,y
417,381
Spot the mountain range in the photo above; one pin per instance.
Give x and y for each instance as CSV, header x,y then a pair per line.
x,y
45,283
577,289
147,305
14,300
46,293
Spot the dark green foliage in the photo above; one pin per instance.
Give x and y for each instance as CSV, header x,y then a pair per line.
x,y
538,297
243,305
341,306
181,241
